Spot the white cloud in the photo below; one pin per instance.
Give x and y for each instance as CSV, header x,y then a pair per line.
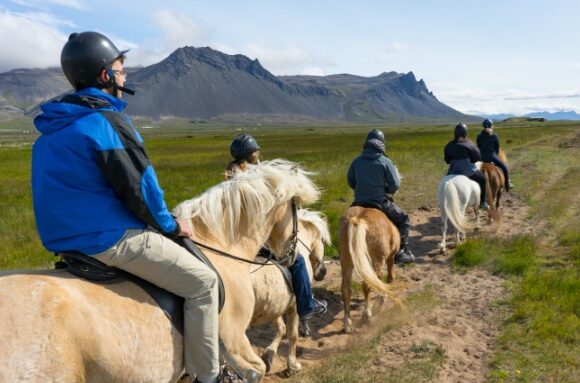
x,y
479,101
396,47
42,4
30,40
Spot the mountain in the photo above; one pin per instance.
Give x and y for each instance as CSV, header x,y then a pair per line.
x,y
552,116
202,83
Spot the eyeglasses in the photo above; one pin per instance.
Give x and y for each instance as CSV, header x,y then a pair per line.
x,y
120,73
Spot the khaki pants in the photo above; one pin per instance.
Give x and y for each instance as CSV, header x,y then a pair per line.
x,y
157,259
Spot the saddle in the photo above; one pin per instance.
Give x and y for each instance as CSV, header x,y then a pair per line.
x,y
88,268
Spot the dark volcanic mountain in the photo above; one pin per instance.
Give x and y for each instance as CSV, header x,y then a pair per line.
x,y
202,83
27,87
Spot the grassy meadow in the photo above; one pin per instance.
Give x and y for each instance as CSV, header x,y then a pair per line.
x,y
540,339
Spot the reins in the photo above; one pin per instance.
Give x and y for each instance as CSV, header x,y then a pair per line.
x,y
288,258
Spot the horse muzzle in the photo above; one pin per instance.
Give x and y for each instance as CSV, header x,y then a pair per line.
x,y
320,273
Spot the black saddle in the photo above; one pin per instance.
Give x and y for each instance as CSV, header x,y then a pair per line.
x,y
369,205
88,268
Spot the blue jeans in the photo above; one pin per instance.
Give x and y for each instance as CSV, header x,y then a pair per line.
x,y
302,289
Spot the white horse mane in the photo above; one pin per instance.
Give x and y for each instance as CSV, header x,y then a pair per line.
x,y
318,221
247,198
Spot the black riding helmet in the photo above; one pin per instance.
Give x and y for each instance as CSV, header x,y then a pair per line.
x,y
375,140
375,134
85,55
242,146
460,130
487,123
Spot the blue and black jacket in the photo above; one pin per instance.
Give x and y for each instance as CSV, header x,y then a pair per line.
x,y
91,177
372,176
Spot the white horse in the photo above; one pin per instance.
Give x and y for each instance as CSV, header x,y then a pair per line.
x,y
456,194
274,297
58,328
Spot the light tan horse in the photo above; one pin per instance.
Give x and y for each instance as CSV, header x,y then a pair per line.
x,y
496,184
275,298
368,239
58,328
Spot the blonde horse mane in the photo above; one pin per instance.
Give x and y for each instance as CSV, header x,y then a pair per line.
x,y
247,198
317,220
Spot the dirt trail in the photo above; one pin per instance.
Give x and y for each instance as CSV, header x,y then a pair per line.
x,y
465,324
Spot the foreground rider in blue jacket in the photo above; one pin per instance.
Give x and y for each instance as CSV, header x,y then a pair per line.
x,y
488,144
245,150
95,192
461,155
374,179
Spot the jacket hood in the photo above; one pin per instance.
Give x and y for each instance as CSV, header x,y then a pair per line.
x,y
57,115
372,153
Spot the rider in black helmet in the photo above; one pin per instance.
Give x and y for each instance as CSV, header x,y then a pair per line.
x,y
96,192
246,151
374,179
87,60
461,155
488,144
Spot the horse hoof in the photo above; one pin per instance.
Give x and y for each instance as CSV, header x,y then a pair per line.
x,y
294,369
268,358
252,376
348,330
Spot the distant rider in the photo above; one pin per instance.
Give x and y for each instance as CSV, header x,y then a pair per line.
x,y
246,151
488,144
461,155
374,179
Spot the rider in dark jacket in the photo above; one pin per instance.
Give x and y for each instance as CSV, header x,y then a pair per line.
x,y
488,144
461,155
374,179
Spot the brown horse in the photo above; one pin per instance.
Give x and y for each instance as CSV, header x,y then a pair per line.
x,y
495,184
368,239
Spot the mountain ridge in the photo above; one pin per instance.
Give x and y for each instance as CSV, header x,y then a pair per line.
x,y
203,83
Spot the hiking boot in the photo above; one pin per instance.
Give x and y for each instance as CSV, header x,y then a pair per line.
x,y
483,206
321,306
227,376
404,256
509,186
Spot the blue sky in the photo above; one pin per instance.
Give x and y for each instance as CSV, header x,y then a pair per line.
x,y
509,56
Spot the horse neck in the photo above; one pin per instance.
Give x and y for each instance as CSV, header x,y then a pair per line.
x,y
307,238
249,241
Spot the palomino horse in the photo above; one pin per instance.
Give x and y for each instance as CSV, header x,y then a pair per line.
x,y
368,239
58,328
274,296
496,183
456,194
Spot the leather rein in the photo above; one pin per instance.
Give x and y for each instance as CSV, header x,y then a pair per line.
x,y
288,258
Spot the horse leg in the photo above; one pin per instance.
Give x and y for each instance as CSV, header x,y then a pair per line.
x,y
293,365
367,313
443,245
233,335
272,349
390,268
346,290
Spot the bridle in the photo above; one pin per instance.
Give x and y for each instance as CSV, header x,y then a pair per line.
x,y
289,257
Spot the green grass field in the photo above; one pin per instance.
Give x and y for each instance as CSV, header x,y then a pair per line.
x,y
540,340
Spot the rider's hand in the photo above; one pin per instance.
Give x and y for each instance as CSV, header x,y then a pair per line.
x,y
184,228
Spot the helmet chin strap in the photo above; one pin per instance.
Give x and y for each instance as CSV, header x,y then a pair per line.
x,y
112,83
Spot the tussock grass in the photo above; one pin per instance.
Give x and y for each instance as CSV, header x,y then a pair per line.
x,y
512,256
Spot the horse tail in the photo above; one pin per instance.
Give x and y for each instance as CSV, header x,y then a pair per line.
x,y
453,211
361,259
